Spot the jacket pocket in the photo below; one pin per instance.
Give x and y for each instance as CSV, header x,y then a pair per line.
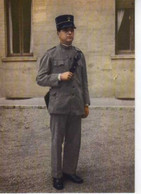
x,y
60,66
52,99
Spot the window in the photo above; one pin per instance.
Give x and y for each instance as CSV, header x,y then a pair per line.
x,y
124,26
18,17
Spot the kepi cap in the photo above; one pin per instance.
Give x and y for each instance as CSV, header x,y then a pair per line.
x,y
64,21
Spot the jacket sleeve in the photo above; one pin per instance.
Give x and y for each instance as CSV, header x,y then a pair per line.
x,y
44,76
85,82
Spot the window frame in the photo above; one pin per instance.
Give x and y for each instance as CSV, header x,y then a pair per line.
x,y
125,5
21,53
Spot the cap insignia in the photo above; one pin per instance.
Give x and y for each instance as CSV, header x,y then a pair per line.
x,y
69,19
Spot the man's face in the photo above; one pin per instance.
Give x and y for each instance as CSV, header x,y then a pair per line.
x,y
66,35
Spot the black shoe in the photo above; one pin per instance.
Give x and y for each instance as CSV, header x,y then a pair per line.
x,y
58,183
73,177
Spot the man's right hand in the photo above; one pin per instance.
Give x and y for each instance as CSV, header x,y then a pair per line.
x,y
66,76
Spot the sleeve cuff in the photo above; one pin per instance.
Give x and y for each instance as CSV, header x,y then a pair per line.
x,y
59,76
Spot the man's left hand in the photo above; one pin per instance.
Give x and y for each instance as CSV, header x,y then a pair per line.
x,y
86,110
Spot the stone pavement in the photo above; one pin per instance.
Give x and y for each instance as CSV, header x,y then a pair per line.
x,y
107,149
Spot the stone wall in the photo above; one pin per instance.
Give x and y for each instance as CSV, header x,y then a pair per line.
x,y
95,36
2,45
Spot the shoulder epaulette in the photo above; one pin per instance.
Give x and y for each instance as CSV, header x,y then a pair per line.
x,y
77,49
51,48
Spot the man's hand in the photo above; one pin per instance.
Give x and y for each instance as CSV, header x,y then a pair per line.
x,y
86,110
66,76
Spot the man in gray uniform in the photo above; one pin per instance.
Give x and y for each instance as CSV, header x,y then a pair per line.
x,y
63,69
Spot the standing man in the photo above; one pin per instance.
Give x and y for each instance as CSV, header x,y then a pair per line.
x,y
63,69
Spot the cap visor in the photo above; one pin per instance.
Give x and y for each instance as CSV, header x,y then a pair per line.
x,y
68,26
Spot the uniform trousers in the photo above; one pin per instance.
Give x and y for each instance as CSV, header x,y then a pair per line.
x,y
65,143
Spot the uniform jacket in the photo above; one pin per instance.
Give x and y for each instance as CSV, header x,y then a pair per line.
x,y
66,97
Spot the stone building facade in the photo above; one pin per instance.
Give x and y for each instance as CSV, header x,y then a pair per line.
x,y
105,34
